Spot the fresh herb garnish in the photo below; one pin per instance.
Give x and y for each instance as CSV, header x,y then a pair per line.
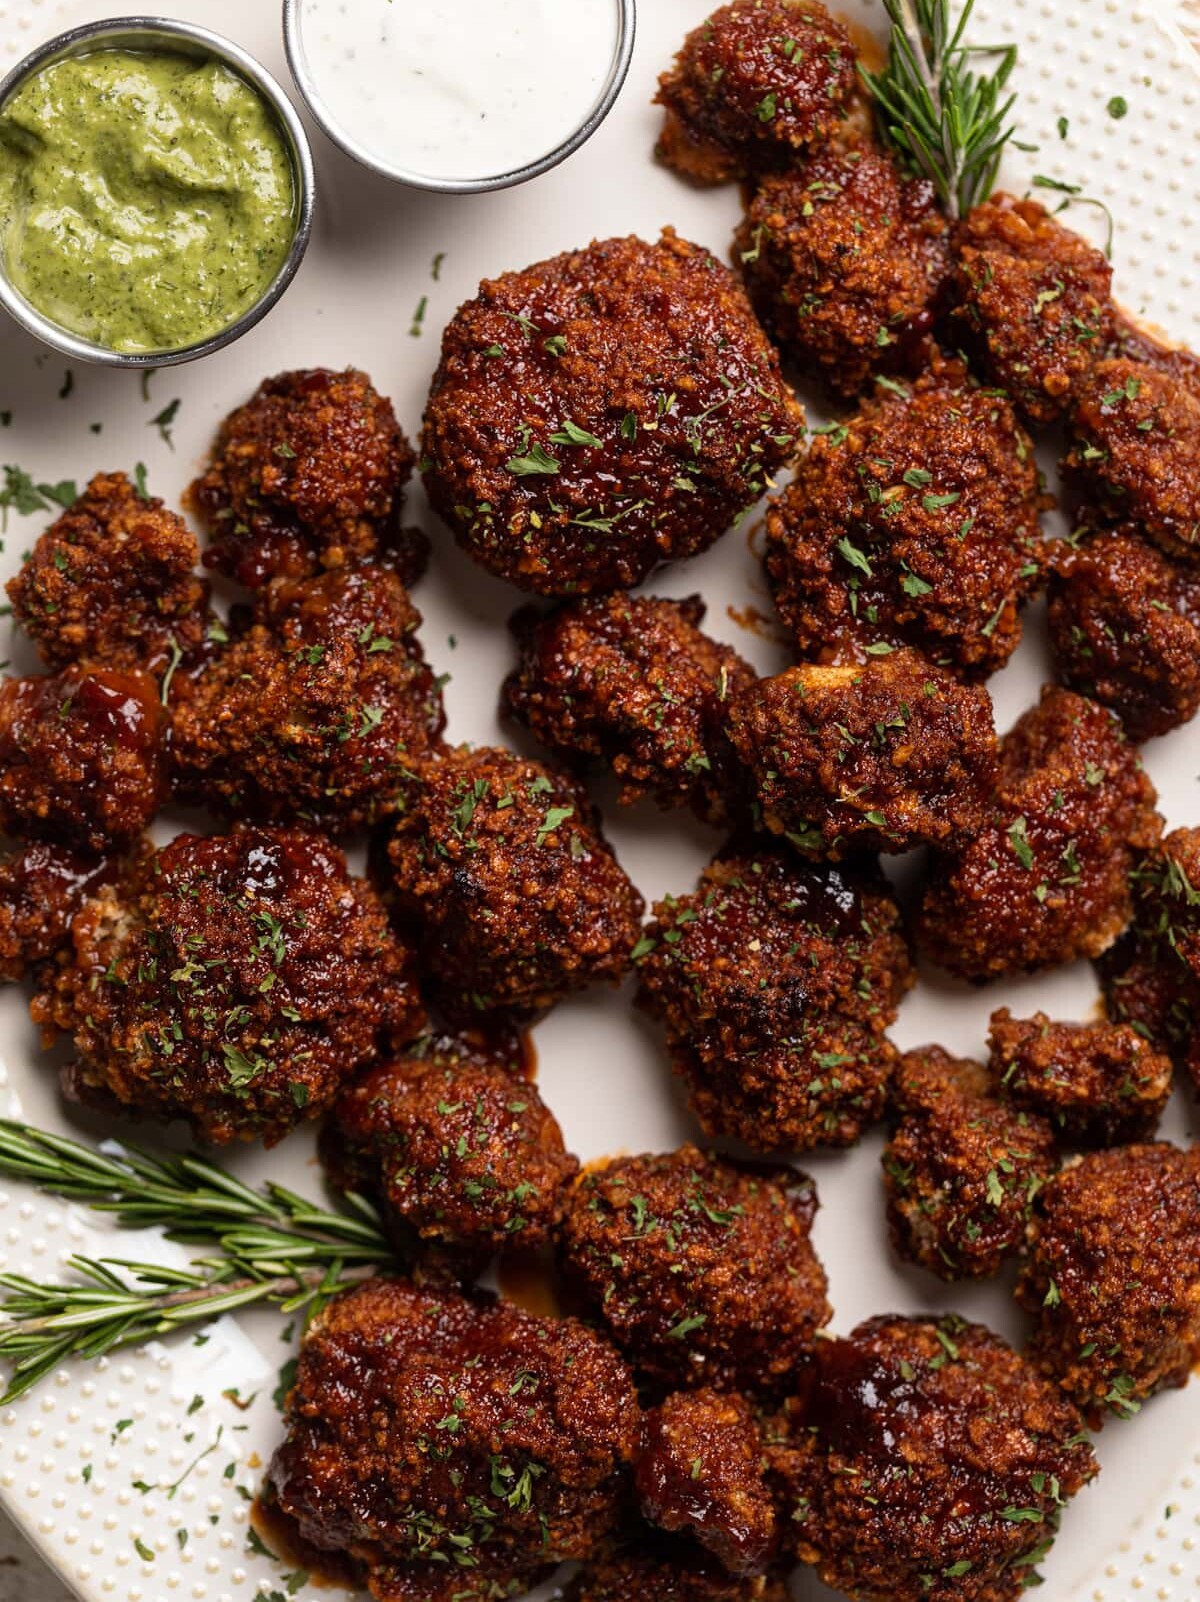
x,y
538,460
258,1246
164,421
949,123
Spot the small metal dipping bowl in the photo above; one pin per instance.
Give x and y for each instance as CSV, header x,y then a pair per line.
x,y
181,38
619,70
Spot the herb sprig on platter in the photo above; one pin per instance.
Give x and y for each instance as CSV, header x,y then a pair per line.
x,y
948,121
269,1245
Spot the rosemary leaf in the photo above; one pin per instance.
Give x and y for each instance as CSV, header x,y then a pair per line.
x,y
947,122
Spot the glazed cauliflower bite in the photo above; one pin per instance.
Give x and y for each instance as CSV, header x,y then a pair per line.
x,y
456,1145
1151,976
914,523
633,681
776,981
699,1268
235,981
701,1471
1046,880
879,756
1135,451
934,1464
604,412
82,757
1125,627
42,887
308,474
845,260
1031,303
316,711
1099,1084
668,1569
428,1432
500,863
753,87
1113,1277
961,1168
113,582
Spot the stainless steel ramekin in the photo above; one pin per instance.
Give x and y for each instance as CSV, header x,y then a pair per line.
x,y
184,38
627,24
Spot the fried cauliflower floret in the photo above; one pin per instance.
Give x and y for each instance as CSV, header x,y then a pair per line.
x,y
845,260
81,757
463,1154
1113,1277
632,680
881,756
42,887
776,982
1125,627
317,711
755,85
1046,880
961,1167
1151,976
1135,451
1032,303
914,523
701,1471
701,1269
604,412
935,1464
235,981
308,474
1099,1084
1131,342
113,582
501,864
490,1579
668,1569
424,1426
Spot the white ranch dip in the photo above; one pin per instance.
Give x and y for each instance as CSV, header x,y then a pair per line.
x,y
458,89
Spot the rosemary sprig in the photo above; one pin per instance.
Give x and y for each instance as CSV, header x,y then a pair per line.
x,y
948,123
269,1246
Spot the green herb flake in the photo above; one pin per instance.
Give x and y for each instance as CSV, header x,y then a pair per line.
x,y
555,817
1018,839
851,553
536,461
571,434
164,421
686,1326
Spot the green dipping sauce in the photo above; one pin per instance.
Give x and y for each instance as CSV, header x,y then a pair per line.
x,y
147,199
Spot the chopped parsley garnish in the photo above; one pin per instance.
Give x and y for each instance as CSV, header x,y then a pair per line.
x,y
538,460
571,434
164,420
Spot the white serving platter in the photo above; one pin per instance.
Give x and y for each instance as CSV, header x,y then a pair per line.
x,y
71,1452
